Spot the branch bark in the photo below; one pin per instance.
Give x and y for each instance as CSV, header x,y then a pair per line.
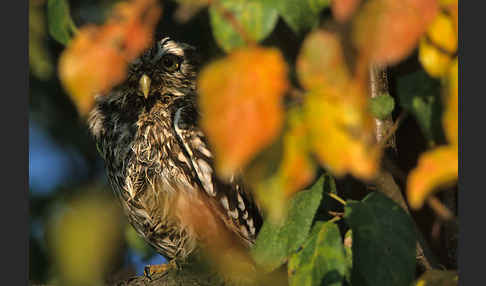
x,y
385,182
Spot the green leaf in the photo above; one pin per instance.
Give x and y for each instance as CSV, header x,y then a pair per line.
x,y
321,261
276,241
383,242
61,26
348,243
438,278
300,15
420,94
382,106
256,18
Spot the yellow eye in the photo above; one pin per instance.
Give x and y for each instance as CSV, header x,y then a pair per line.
x,y
171,62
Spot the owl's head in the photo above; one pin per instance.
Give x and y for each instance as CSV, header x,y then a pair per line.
x,y
168,68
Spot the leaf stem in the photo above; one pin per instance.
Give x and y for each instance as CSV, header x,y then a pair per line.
x,y
337,198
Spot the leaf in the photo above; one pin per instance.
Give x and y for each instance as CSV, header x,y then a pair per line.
x,y
435,168
438,278
59,19
276,241
40,62
84,239
383,242
451,114
256,18
322,259
348,249
240,99
420,95
341,131
386,31
97,58
382,106
281,170
300,15
321,62
344,9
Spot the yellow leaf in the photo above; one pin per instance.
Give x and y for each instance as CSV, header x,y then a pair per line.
x,y
240,101
434,61
341,131
84,239
436,168
97,58
451,114
441,32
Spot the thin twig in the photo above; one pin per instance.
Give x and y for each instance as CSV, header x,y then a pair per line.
x,y
337,198
440,209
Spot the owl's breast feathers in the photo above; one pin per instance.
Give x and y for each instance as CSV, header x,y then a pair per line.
x,y
161,167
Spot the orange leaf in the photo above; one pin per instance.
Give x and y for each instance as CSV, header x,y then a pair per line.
x,y
321,61
388,30
97,57
240,99
435,168
344,9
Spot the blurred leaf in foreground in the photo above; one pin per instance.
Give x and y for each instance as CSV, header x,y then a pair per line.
x,y
61,26
386,31
39,58
383,243
382,106
300,15
277,240
84,238
439,46
344,9
438,278
336,107
256,20
321,261
240,101
96,59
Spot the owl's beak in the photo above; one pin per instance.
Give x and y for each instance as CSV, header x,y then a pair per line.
x,y
144,85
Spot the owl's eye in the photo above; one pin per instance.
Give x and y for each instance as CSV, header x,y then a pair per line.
x,y
171,62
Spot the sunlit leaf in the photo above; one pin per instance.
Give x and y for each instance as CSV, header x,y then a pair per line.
x,y
344,9
276,241
382,106
386,31
434,61
240,99
300,15
451,114
420,94
256,18
435,168
341,131
84,239
438,278
96,59
383,242
322,259
61,26
321,61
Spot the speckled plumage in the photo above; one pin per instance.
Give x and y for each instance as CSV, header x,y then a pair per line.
x,y
158,160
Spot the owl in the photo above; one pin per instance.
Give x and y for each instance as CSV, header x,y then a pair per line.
x,y
159,163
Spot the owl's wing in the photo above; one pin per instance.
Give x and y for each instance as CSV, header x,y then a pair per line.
x,y
232,200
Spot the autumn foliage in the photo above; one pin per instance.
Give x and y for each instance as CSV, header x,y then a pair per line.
x,y
328,126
